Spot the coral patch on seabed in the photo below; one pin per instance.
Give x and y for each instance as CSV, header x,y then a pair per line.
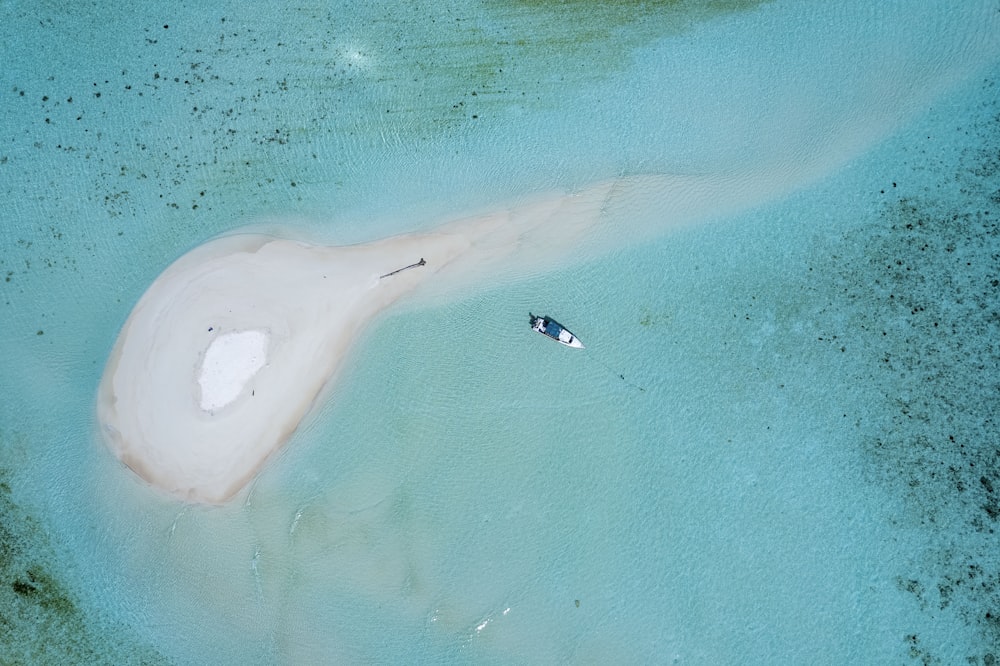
x,y
41,619
922,282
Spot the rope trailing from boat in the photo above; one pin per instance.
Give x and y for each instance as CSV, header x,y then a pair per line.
x,y
400,270
615,372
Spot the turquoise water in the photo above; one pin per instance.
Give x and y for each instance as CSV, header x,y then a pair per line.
x,y
778,447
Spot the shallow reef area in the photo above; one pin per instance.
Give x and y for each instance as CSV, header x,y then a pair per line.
x,y
921,281
42,620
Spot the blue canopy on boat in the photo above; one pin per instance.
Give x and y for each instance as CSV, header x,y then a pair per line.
x,y
552,329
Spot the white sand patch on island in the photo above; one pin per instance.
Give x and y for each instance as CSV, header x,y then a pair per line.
x,y
230,361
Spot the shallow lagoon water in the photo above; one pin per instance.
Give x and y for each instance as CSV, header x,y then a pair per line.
x,y
732,472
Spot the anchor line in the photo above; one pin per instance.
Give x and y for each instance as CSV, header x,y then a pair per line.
x,y
615,372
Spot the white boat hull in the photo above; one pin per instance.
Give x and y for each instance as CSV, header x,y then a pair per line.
x,y
553,330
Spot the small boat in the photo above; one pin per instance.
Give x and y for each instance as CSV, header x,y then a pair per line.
x,y
553,329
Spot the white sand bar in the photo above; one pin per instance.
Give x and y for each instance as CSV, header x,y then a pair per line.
x,y
226,351
230,361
